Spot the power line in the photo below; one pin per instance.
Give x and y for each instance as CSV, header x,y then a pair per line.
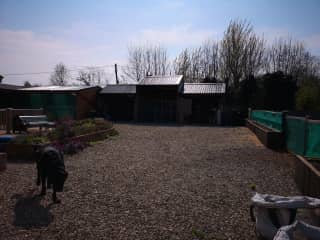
x,y
71,70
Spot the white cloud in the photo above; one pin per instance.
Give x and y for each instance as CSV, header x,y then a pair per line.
x,y
82,45
271,34
26,51
176,36
313,42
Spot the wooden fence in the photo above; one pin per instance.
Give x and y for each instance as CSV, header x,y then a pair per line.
x,y
307,177
7,116
3,119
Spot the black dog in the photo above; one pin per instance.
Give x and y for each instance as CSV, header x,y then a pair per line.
x,y
51,170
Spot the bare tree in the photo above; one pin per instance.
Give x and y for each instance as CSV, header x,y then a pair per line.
x,y
92,77
210,60
181,64
145,59
60,75
199,64
27,84
291,58
241,53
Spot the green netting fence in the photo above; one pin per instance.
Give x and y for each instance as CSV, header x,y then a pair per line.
x,y
295,130
57,106
268,118
302,135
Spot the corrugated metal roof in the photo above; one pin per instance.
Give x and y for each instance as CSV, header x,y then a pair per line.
x,y
119,89
204,88
161,80
57,88
9,86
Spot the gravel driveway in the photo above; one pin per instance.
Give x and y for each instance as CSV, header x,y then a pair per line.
x,y
150,182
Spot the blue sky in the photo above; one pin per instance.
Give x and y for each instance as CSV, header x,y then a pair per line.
x,y
35,35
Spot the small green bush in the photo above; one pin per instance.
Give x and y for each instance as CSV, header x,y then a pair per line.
x,y
67,129
308,96
31,139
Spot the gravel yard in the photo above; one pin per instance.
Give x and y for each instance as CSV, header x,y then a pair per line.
x,y
150,182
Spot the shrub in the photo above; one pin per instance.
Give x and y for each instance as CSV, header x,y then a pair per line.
x,y
71,147
84,128
31,139
308,96
62,131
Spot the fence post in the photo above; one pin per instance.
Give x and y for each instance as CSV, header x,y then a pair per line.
x,y
305,139
249,113
284,128
284,118
8,120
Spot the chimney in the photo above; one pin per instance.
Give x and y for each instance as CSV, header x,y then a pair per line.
x,y
116,72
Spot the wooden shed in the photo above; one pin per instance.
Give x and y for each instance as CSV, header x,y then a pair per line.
x,y
7,94
158,99
75,102
202,102
163,99
116,102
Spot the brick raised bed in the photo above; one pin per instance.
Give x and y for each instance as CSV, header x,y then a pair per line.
x,y
307,176
3,161
270,138
91,137
24,152
19,151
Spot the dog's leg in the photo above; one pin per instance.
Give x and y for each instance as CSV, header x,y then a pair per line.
x,y
38,174
54,197
44,184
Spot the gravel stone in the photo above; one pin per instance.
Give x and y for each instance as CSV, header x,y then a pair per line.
x,y
150,182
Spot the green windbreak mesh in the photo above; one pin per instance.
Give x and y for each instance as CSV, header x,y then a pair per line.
x,y
60,106
60,112
313,139
302,136
295,130
57,106
36,100
268,118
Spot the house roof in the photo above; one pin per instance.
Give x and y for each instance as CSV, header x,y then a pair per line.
x,y
119,89
204,88
56,88
161,80
9,86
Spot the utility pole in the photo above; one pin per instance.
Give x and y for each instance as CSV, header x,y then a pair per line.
x,y
116,72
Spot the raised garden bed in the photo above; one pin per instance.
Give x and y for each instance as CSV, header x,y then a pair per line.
x,y
3,161
24,152
269,137
307,176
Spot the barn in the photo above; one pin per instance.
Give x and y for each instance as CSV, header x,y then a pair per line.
x,y
164,99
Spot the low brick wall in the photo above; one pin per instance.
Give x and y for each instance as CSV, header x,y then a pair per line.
x,y
91,137
307,177
269,137
3,161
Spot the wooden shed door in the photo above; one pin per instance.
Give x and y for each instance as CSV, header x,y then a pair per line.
x,y
159,110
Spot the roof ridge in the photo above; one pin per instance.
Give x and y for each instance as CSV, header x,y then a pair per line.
x,y
202,83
